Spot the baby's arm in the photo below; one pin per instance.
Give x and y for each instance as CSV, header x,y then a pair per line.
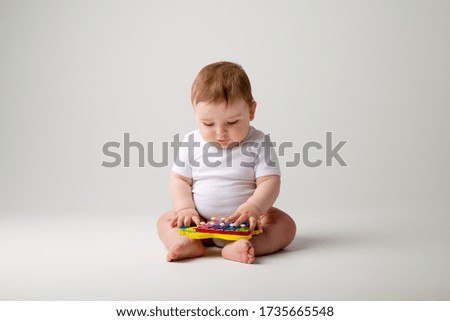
x,y
267,190
181,194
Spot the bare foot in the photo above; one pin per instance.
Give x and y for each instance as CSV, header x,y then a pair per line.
x,y
185,250
240,251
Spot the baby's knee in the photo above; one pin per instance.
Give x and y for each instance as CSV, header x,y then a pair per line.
x,y
289,227
292,226
284,222
292,229
277,216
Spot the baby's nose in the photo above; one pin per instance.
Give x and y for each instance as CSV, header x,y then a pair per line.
x,y
220,130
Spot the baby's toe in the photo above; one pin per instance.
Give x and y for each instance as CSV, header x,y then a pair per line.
x,y
240,251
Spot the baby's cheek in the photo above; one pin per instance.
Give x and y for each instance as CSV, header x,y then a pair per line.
x,y
240,134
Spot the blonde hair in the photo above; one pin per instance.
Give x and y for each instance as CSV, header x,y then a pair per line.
x,y
221,81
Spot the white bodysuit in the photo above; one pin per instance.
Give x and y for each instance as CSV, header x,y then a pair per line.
x,y
225,179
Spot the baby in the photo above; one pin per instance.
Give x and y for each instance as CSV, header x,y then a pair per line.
x,y
225,168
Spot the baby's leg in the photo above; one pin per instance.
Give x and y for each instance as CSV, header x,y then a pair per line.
x,y
180,247
278,232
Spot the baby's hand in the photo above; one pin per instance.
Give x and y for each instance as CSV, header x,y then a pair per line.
x,y
247,212
185,217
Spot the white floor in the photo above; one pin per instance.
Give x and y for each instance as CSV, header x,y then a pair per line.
x,y
388,255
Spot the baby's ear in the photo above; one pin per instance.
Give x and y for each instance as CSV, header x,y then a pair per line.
x,y
252,110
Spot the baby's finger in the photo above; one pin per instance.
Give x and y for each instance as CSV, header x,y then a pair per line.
x,y
232,217
180,222
196,220
187,221
239,221
253,223
173,222
259,226
242,218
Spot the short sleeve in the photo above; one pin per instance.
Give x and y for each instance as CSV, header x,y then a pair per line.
x,y
267,160
181,164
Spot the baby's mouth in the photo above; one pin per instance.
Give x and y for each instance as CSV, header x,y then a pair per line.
x,y
227,143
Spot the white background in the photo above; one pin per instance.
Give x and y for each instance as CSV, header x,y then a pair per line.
x,y
77,74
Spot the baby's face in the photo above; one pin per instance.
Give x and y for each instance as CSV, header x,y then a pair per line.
x,y
226,126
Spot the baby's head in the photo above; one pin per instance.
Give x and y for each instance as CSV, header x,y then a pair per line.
x,y
223,103
221,81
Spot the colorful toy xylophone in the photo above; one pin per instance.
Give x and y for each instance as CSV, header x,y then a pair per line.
x,y
218,229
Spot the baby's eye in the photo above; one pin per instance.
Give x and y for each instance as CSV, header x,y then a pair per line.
x,y
232,122
207,124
